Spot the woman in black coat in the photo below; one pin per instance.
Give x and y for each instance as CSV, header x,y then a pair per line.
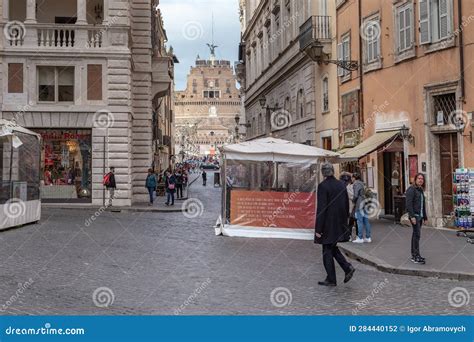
x,y
332,224
416,208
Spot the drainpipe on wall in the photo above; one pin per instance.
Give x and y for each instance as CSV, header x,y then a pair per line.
x,y
461,52
361,74
462,77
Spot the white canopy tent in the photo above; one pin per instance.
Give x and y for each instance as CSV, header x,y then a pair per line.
x,y
269,188
20,150
278,150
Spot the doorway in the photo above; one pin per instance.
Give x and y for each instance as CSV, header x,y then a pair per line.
x,y
449,161
394,175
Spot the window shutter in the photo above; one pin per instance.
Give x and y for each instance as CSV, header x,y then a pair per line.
x,y
401,32
94,82
443,19
425,28
340,57
408,25
15,78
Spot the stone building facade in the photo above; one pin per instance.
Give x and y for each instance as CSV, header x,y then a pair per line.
x,y
84,74
409,106
206,110
300,96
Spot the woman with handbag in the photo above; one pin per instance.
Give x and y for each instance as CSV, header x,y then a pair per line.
x,y
170,183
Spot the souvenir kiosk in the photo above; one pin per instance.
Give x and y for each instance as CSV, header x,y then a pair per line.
x,y
20,150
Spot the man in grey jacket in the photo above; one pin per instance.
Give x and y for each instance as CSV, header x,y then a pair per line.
x,y
361,216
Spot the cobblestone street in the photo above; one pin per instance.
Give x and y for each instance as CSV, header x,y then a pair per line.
x,y
166,263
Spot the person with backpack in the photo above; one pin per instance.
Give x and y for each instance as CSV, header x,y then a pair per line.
x,y
204,177
363,223
347,179
179,184
110,185
416,208
170,183
151,184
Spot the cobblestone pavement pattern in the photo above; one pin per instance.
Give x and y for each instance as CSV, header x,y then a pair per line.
x,y
155,263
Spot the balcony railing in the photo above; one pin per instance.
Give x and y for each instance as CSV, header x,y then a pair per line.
x,y
315,29
55,36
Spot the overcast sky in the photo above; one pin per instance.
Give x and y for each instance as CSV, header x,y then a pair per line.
x,y
188,24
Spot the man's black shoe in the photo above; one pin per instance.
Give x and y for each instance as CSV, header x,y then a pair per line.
x,y
349,275
326,283
418,260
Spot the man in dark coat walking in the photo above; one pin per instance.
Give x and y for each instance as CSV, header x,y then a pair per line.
x,y
332,224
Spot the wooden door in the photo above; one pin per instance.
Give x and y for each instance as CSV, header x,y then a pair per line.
x,y
449,161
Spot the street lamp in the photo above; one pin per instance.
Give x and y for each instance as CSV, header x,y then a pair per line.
x,y
406,135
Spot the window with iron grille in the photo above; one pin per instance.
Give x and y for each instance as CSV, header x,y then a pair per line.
x,y
444,106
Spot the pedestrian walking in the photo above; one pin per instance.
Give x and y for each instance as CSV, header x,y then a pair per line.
x,y
179,184
110,185
346,177
151,184
204,177
170,183
416,208
332,225
361,216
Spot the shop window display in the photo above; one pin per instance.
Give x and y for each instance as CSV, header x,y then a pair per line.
x,y
66,163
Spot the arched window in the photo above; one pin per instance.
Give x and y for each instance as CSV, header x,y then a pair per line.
x,y
300,104
325,94
260,124
254,129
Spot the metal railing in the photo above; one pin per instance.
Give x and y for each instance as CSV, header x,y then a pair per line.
x,y
316,28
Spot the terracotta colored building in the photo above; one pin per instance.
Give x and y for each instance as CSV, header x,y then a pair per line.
x,y
408,108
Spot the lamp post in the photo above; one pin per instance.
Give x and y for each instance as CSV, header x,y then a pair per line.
x,y
268,110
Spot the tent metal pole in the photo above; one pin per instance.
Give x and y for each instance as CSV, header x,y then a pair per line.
x,y
224,193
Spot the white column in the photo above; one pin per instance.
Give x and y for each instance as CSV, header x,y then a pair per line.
x,y
30,12
81,12
106,12
6,10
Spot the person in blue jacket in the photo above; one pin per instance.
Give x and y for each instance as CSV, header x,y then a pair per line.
x,y
150,184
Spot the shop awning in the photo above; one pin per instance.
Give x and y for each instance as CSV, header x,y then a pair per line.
x,y
369,145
